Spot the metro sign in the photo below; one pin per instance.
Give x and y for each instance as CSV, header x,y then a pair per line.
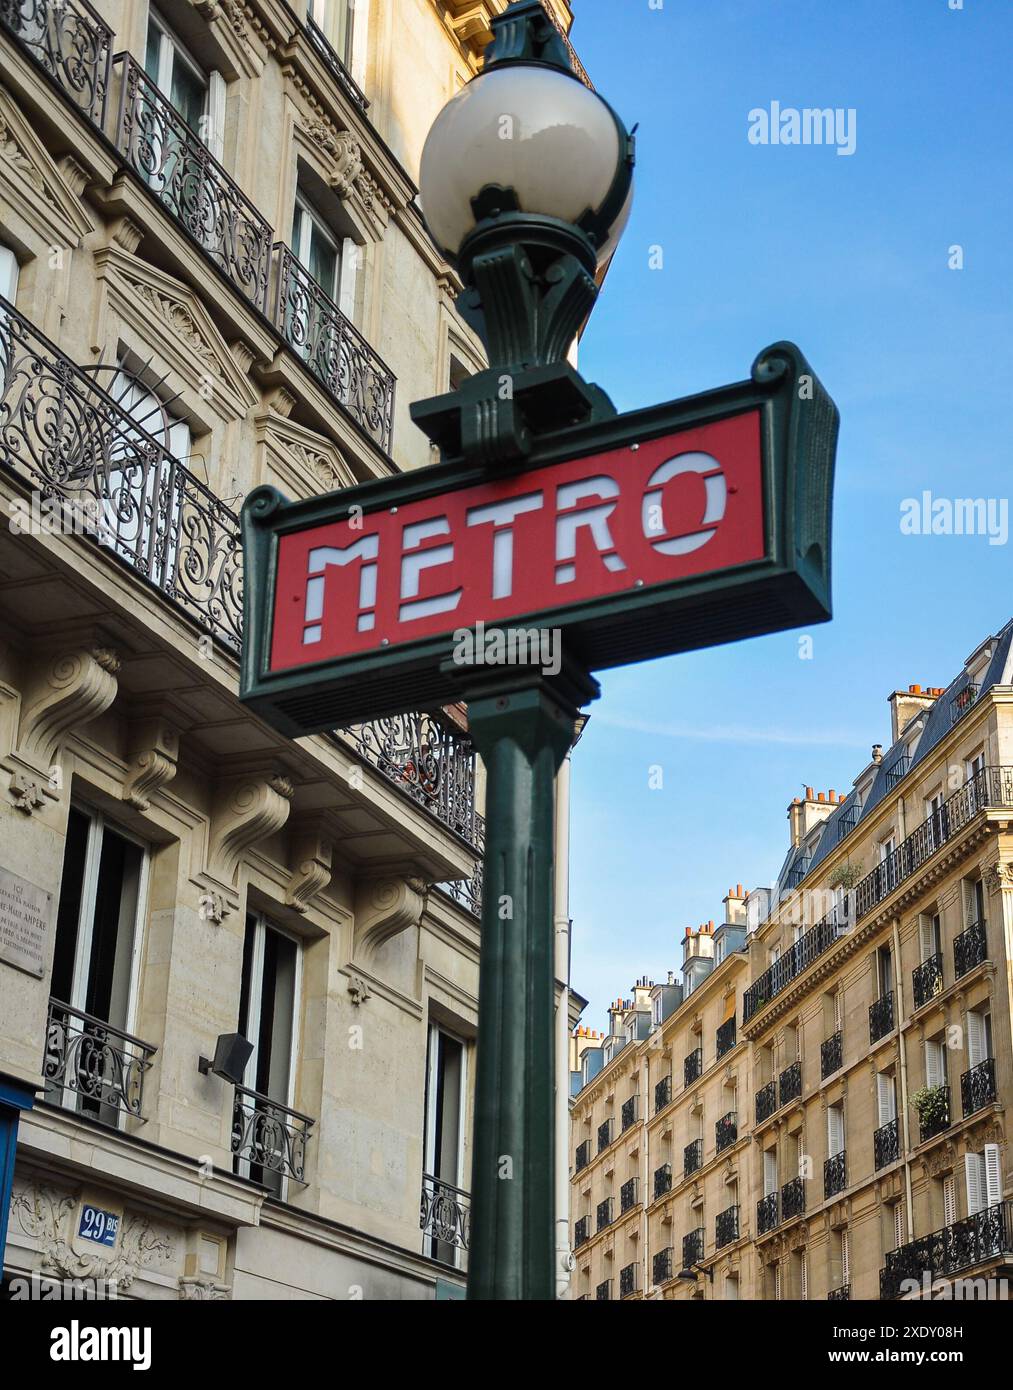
x,y
658,531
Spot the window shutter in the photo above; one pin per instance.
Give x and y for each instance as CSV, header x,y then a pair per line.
x,y
935,1072
886,1098
803,1275
777,1281
927,936
975,1038
8,274
845,1257
949,1200
993,1175
898,1225
838,1010
769,1171
835,1131
974,1177
216,115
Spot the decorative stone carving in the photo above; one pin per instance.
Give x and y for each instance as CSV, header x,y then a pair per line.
x,y
940,1159
43,1214
178,319
153,757
245,812
213,907
27,795
999,876
76,689
311,858
358,990
203,1286
383,908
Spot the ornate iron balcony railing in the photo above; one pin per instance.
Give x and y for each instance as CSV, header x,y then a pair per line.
x,y
789,1083
835,1174
333,349
692,1066
581,1232
898,770
70,42
92,1065
798,957
881,1017
662,1093
692,1157
661,1266
467,892
962,702
336,67
726,1131
189,182
792,1199
831,1055
934,1117
767,1215
628,1280
603,1292
848,821
927,980
726,1226
268,1135
445,1213
797,872
692,1248
886,1144
841,1294
977,1086
970,948
628,1196
583,1156
951,1250
766,1102
603,1214
662,1180
604,1134
628,1114
725,1037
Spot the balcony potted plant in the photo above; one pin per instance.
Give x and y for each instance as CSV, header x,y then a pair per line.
x,y
932,1105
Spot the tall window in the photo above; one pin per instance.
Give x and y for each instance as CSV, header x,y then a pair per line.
x,y
884,968
979,1037
929,935
983,1179
316,248
8,274
335,20
835,1130
886,1098
445,1118
935,1062
199,99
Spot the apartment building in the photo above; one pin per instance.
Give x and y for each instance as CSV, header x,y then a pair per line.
x,y
868,1062
214,274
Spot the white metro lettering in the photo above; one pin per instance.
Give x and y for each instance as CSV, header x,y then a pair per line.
x,y
653,517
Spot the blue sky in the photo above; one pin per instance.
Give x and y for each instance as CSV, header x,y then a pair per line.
x,y
848,257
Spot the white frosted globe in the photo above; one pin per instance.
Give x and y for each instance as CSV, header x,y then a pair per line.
x,y
537,131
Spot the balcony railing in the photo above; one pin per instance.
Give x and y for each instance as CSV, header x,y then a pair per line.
x,y
970,948
977,1086
603,1214
628,1280
445,1215
430,762
70,42
831,1055
603,1291
604,1134
881,1017
835,1174
581,1232
767,1213
692,1157
692,1066
582,1157
841,1294
692,1248
898,770
766,1102
973,1241
662,1093
927,980
333,349
628,1195
792,1199
961,703
662,1180
726,1131
628,1114
847,822
797,872
661,1266
91,1066
189,182
798,957
725,1037
886,1144
934,1118
336,67
269,1136
789,1083
726,1226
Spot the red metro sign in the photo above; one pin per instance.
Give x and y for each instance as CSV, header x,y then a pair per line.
x,y
654,532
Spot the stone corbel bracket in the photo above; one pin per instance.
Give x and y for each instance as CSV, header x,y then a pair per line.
x,y
311,866
77,687
154,753
245,812
385,907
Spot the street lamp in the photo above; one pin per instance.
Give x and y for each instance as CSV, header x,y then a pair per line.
x,y
526,183
690,1273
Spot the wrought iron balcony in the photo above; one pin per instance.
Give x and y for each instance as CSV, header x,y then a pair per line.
x,y
333,349
629,1280
692,1248
583,1156
603,1292
898,770
662,1180
692,1066
270,1137
726,1226
970,948
431,763
628,1114
726,1037
831,1055
974,1241
662,1093
927,980
605,1134
189,182
70,42
841,1294
766,1102
726,1131
881,1017
962,702
767,1213
934,1117
977,1086
628,1195
789,1083
847,822
886,1144
692,1157
581,1232
835,1174
661,1266
797,872
603,1214
797,958
89,1065
466,892
445,1215
792,1199
336,67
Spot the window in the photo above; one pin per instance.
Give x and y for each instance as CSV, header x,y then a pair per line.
x,y
199,100
335,20
886,1098
975,765
731,1287
979,1037
935,1062
769,1171
983,1179
316,248
929,935
884,970
445,1118
8,274
973,901
835,1130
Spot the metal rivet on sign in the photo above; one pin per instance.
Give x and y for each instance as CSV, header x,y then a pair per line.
x,y
384,641
393,511
638,583
634,447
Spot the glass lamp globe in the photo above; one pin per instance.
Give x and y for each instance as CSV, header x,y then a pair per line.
x,y
532,129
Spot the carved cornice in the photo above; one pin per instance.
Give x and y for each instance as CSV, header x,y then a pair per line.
x,y
154,751
311,867
42,192
245,812
76,688
384,907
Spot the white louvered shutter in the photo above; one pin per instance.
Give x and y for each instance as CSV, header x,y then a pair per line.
x,y
804,1275
927,936
949,1200
885,1097
769,1171
898,1225
935,1067
993,1175
974,1178
777,1281
835,1130
838,1010
976,1050
845,1257
216,115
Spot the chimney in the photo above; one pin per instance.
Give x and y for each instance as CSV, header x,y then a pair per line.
x,y
905,704
803,815
735,906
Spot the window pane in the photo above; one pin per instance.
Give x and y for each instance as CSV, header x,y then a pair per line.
x,y
112,942
188,95
70,906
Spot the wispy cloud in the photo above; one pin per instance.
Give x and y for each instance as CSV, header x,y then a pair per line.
x,y
731,733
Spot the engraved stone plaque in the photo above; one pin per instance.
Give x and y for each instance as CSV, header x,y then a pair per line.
x,y
26,920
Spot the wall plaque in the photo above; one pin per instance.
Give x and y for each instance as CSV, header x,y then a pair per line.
x,y
26,920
